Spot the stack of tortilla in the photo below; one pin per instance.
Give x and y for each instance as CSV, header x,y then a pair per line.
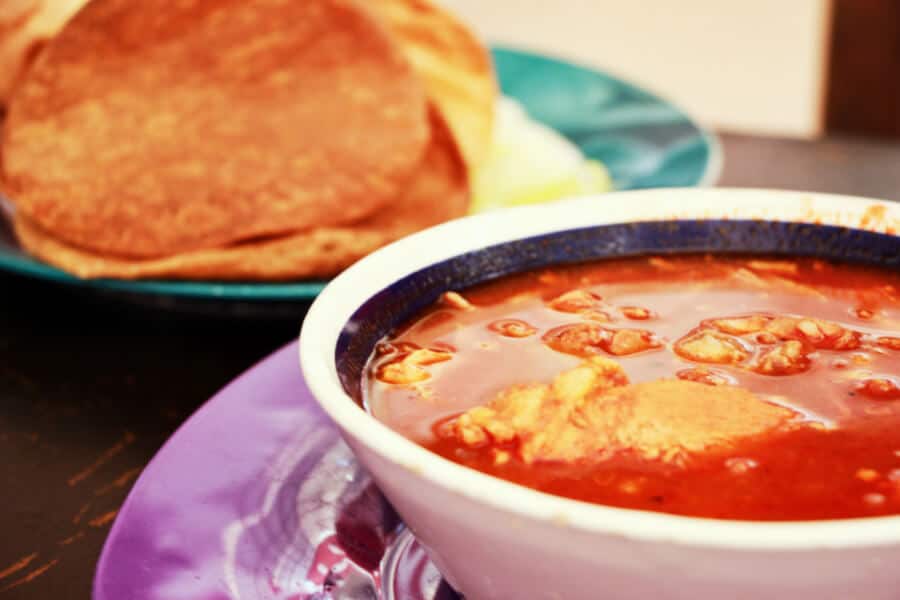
x,y
235,139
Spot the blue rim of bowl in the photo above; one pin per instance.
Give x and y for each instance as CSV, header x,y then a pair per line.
x,y
20,263
397,303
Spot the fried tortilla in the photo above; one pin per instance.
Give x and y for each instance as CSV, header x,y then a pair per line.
x,y
438,192
25,25
454,65
148,129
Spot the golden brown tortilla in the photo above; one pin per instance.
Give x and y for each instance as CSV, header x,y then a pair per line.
x,y
454,65
146,129
25,25
438,192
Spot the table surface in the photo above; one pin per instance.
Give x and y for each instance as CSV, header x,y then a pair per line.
x,y
90,387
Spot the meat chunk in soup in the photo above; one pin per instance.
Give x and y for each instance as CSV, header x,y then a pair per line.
x,y
410,367
590,413
711,347
784,359
539,417
586,339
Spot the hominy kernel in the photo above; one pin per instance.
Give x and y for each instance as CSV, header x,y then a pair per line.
x,y
860,358
879,388
766,338
457,300
631,486
867,474
865,314
514,328
874,499
889,342
636,313
575,301
740,465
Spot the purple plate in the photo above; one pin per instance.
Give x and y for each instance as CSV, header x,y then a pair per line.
x,y
256,497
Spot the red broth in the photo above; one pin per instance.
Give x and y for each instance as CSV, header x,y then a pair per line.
x,y
819,339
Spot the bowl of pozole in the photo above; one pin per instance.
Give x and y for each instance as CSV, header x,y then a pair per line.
x,y
655,394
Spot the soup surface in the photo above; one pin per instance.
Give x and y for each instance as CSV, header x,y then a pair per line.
x,y
736,387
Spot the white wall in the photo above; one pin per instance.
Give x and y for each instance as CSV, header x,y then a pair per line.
x,y
741,65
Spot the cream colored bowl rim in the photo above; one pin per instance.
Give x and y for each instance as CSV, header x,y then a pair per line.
x,y
340,299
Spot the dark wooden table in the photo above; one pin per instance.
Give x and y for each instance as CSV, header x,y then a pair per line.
x,y
91,387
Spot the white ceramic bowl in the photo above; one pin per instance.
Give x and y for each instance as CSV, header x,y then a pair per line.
x,y
495,540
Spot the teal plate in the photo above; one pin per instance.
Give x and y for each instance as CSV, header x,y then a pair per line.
x,y
643,140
